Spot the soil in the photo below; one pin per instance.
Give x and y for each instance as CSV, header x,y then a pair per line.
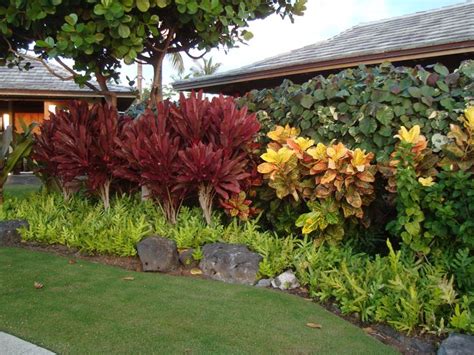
x,y
418,344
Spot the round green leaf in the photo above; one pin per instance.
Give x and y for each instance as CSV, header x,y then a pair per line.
x,y
143,5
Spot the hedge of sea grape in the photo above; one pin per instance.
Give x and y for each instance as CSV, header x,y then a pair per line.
x,y
364,107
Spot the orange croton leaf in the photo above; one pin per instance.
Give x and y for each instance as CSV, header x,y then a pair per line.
x,y
266,168
319,167
329,176
366,176
353,198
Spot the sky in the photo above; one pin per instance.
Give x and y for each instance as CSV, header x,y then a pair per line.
x,y
322,19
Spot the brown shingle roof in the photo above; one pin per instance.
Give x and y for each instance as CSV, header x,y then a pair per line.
x,y
38,78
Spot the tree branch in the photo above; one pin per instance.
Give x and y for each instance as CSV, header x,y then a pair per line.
x,y
194,57
75,74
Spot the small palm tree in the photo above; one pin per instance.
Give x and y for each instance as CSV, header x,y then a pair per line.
x,y
207,67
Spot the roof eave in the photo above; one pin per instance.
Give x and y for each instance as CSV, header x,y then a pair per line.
x,y
340,63
72,94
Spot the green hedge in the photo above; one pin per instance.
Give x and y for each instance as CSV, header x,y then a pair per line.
x,y
364,107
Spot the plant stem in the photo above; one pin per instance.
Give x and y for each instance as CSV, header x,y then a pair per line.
x,y
206,196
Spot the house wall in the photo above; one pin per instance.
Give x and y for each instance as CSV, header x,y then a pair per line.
x,y
29,111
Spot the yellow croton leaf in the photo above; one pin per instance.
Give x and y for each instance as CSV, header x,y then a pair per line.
x,y
360,159
319,152
277,157
409,136
300,144
428,181
281,134
336,153
469,118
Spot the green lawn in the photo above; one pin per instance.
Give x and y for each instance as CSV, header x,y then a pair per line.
x,y
20,191
89,308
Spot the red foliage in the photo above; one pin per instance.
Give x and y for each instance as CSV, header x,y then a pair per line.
x,y
43,149
79,142
195,145
206,164
148,148
72,141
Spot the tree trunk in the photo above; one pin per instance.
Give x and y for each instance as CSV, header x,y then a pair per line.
x,y
156,94
110,97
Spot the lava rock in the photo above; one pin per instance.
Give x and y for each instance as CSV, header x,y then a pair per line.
x,y
457,344
187,260
232,263
264,283
286,281
9,235
158,254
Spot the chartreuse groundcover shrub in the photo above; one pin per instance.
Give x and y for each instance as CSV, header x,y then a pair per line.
x,y
370,199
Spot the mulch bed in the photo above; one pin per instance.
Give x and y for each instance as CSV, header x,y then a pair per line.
x,y
419,344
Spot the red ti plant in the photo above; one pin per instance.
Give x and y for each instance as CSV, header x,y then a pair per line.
x,y
104,130
215,136
148,148
43,151
211,170
79,142
63,132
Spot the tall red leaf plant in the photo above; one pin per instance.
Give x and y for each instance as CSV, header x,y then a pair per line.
x,y
215,137
79,143
148,151
46,151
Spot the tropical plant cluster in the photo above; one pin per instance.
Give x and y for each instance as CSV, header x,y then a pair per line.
x,y
386,232
196,146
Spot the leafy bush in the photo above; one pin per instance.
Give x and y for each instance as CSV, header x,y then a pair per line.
x,y
365,106
460,149
85,225
194,146
217,138
396,289
79,142
334,181
82,224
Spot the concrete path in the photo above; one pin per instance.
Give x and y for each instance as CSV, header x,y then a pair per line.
x,y
10,345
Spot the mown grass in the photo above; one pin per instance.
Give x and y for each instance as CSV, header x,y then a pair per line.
x,y
20,191
90,308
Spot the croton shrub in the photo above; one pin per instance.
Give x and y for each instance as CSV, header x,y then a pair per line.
x,y
364,107
334,181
